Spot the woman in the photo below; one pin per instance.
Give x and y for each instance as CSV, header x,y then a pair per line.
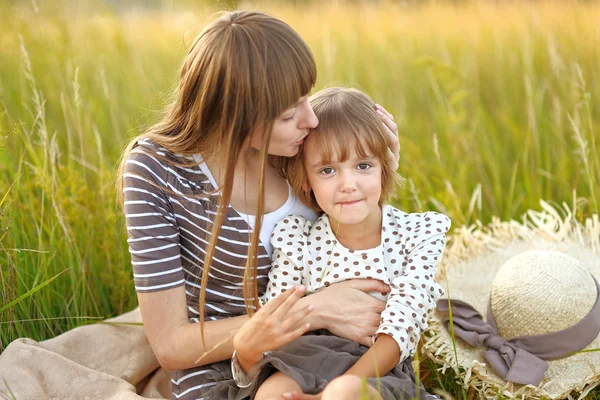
x,y
202,190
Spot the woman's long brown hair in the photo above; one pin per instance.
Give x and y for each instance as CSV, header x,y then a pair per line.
x,y
241,72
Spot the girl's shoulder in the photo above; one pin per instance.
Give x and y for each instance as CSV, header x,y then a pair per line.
x,y
291,231
293,223
430,221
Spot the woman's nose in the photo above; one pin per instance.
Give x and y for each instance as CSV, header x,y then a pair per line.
x,y
310,120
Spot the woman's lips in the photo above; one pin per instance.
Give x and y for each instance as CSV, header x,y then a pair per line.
x,y
299,142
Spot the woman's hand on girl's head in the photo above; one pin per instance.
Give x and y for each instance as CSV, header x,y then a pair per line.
x,y
275,324
347,310
392,131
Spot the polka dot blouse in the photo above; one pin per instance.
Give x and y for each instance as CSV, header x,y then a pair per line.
x,y
411,246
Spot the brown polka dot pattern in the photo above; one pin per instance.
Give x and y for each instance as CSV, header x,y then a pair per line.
x,y
407,258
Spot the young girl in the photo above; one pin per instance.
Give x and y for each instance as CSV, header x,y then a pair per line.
x,y
342,173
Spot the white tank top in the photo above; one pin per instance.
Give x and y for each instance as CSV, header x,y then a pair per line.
x,y
292,206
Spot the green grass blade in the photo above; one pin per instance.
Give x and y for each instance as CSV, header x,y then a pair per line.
x,y
31,292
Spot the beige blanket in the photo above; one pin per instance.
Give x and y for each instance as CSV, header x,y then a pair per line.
x,y
90,362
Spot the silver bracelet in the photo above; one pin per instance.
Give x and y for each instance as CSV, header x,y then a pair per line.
x,y
240,377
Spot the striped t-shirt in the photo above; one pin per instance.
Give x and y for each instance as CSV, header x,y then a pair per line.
x,y
169,212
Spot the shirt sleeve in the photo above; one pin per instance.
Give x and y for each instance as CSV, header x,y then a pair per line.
x,y
153,233
414,293
290,255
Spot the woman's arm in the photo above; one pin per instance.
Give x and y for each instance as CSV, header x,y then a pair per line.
x,y
344,308
175,340
347,310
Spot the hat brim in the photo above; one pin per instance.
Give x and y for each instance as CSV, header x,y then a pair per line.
x,y
467,270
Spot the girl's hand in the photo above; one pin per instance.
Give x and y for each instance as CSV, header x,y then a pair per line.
x,y
274,325
346,310
392,131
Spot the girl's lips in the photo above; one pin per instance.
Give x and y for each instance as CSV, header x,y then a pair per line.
x,y
348,203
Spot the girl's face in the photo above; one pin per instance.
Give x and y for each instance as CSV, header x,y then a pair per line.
x,y
348,191
289,130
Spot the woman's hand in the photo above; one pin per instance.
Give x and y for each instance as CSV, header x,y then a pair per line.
x,y
346,310
392,131
275,324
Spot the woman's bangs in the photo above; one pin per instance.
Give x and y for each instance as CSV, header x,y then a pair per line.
x,y
291,71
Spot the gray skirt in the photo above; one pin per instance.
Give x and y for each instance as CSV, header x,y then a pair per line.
x,y
313,361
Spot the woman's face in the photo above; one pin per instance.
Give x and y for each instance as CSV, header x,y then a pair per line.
x,y
289,130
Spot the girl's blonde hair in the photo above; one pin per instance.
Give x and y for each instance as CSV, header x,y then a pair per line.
x,y
241,72
347,117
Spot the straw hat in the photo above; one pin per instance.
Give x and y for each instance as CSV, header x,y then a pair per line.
x,y
537,277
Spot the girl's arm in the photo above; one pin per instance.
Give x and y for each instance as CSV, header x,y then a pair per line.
x,y
380,359
412,297
414,292
289,262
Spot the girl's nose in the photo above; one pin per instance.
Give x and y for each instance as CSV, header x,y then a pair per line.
x,y
348,183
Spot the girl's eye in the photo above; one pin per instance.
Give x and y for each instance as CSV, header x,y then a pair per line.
x,y
364,166
326,171
289,119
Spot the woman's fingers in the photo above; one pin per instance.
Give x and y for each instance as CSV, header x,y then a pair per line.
x,y
299,317
392,133
289,302
369,285
273,305
379,107
294,334
392,139
393,159
366,341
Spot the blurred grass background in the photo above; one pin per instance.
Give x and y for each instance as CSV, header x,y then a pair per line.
x,y
497,105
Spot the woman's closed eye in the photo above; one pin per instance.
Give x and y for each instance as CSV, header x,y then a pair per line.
x,y
288,119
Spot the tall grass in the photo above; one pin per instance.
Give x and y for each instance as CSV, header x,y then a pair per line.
x,y
497,107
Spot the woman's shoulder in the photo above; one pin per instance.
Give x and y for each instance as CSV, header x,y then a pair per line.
x,y
431,221
153,162
148,158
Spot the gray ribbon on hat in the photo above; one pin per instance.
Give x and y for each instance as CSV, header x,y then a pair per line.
x,y
520,359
